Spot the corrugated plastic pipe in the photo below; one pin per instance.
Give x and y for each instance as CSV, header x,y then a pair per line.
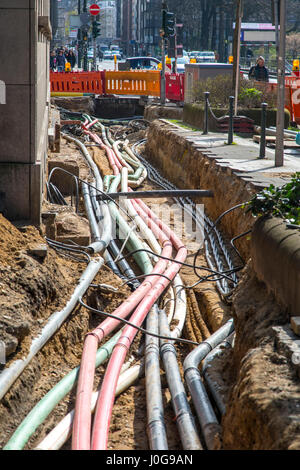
x,y
206,415
155,411
9,375
82,420
212,385
107,232
108,385
184,418
156,427
61,433
95,232
106,398
44,407
124,266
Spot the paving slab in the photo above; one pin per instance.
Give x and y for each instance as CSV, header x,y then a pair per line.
x,y
242,157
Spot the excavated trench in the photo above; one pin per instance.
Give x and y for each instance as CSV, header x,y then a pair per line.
x,y
34,285
259,387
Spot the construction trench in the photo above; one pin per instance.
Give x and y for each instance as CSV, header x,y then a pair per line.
x,y
77,378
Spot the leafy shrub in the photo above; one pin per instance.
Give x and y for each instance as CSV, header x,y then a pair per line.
x,y
282,202
220,89
250,97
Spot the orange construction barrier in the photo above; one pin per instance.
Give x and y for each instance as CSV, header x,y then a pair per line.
x,y
76,82
146,83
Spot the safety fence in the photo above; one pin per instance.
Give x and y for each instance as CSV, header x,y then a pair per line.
x,y
175,86
136,83
77,82
148,83
292,96
132,83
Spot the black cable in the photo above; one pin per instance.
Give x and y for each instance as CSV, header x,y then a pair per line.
x,y
236,238
58,246
204,268
213,226
180,340
94,187
147,275
181,201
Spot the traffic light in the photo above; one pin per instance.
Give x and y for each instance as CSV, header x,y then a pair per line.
x,y
96,31
168,23
275,5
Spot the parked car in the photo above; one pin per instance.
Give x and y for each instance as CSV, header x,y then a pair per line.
x,y
206,56
193,54
90,53
140,63
108,55
181,61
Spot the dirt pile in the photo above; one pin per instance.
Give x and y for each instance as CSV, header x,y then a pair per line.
x,y
33,287
263,401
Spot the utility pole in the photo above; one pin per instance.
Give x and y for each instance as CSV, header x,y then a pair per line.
x,y
279,151
79,38
85,40
236,52
167,31
163,58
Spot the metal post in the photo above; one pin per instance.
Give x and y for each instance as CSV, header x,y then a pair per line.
x,y
230,123
279,155
79,38
236,68
276,3
262,150
163,75
206,95
85,59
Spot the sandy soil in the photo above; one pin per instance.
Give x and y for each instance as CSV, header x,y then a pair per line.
x,y
32,288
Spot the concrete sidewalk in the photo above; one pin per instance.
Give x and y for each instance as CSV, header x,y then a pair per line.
x,y
242,157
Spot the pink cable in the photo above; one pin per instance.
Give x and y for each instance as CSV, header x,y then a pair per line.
x,y
107,393
82,418
115,165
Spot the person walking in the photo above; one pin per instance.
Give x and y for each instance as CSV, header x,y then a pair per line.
x,y
60,62
52,61
72,59
259,72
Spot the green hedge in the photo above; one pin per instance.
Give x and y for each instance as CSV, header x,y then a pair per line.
x,y
193,114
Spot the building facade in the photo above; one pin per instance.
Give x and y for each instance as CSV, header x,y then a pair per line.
x,y
140,24
25,32
108,20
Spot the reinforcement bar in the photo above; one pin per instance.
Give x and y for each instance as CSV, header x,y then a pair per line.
x,y
157,193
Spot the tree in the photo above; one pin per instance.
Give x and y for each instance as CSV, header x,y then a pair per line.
x,y
293,45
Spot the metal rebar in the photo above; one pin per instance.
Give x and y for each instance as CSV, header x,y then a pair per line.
x,y
157,193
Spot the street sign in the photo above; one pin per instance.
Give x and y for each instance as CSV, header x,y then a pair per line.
x,y
75,21
94,9
73,33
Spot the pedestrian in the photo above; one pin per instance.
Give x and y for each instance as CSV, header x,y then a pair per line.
x,y
72,59
52,61
259,71
60,62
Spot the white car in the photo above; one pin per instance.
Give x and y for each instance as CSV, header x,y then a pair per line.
x,y
108,55
90,53
181,61
206,56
